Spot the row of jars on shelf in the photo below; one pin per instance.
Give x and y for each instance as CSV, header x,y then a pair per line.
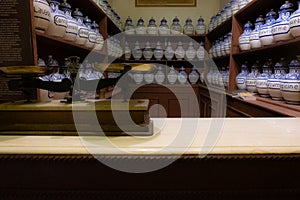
x,y
218,77
282,84
221,47
57,19
57,72
110,12
163,28
158,53
231,8
273,29
172,77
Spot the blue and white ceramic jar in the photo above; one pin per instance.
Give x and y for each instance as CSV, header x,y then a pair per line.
x,y
274,81
194,76
244,39
172,75
152,27
129,28
262,79
91,41
137,52
163,27
281,27
99,42
58,20
190,52
41,15
140,27
176,27
265,33
235,6
169,52
295,22
251,78
158,51
241,77
127,51
149,78
160,76
147,52
201,27
72,28
254,36
179,52
83,32
182,76
200,51
290,85
188,28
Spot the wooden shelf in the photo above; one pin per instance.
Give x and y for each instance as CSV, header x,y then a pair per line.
x,y
220,30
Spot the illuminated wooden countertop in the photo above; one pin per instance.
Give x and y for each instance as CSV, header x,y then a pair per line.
x,y
174,136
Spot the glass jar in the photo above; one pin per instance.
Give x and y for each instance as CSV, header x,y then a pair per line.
x,y
190,52
182,76
290,84
179,52
152,28
252,78
188,28
172,75
241,77
176,27
41,15
281,27
201,27
262,79
147,52
58,21
163,27
295,22
140,27
274,81
244,39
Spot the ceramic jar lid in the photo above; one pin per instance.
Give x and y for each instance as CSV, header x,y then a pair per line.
x,y
140,22
77,14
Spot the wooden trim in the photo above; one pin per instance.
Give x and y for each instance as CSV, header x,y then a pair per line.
x,y
165,3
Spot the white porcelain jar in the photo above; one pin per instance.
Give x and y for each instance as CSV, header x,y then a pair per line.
x,y
295,22
140,27
72,28
138,77
262,79
152,27
99,42
241,77
163,27
169,52
127,51
147,52
188,28
254,36
91,41
149,78
41,15
281,27
194,76
58,20
158,52
244,39
172,75
159,76
265,33
201,52
179,52
201,27
129,28
182,76
176,27
137,52
190,52
83,32
252,78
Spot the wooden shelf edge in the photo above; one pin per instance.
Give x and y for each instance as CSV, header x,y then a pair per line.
x,y
265,48
60,40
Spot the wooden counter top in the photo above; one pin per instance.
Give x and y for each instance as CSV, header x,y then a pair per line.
x,y
236,136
